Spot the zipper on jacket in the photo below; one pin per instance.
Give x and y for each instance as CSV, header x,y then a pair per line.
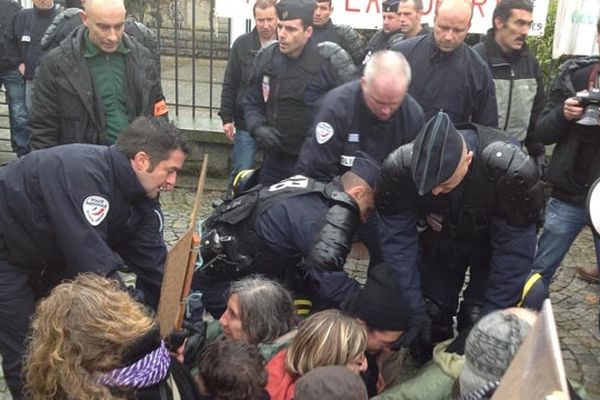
x,y
510,93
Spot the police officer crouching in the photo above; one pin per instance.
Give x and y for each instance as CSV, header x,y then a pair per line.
x,y
295,228
474,198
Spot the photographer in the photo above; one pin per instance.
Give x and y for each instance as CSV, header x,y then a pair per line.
x,y
570,120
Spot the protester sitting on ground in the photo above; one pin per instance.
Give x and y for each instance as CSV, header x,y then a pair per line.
x,y
90,340
324,338
232,371
259,312
489,349
333,382
382,309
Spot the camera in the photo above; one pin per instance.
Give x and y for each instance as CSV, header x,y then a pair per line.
x,y
590,101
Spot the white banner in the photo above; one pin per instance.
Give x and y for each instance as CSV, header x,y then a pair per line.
x,y
575,32
366,14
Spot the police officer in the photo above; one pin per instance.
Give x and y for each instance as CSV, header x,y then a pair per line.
x,y
342,35
390,33
82,208
475,199
295,227
447,74
289,77
373,114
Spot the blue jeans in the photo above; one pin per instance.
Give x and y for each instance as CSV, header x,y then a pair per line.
x,y
562,224
242,157
14,83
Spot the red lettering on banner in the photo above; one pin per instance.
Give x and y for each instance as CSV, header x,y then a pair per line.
x,y
478,4
430,8
350,9
376,5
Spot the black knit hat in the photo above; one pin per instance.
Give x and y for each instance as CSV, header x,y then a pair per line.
x,y
381,303
436,153
366,167
390,5
295,9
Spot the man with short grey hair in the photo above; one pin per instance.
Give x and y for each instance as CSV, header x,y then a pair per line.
x,y
373,114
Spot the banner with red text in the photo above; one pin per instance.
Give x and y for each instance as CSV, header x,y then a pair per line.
x,y
366,14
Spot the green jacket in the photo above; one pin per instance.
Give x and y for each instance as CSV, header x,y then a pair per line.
x,y
434,381
267,350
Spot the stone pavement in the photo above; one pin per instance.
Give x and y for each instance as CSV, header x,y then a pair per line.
x,y
575,302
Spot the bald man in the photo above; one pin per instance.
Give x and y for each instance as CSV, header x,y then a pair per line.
x,y
90,87
447,74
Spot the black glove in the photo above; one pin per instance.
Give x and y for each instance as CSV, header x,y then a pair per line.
x,y
267,137
418,338
195,333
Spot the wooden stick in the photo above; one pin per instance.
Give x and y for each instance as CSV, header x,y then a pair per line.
x,y
199,192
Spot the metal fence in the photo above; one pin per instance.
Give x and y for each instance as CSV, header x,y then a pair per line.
x,y
194,46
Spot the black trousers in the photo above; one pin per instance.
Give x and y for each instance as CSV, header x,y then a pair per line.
x,y
17,304
444,263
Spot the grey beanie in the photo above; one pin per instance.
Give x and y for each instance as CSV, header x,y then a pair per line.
x,y
490,348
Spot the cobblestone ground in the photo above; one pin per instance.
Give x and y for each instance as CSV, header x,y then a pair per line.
x,y
575,302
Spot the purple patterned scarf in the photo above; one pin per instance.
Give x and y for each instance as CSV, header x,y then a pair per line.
x,y
147,371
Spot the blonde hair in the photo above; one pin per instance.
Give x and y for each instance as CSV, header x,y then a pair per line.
x,y
326,338
81,330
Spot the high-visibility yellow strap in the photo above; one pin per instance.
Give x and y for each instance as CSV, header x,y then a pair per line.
x,y
528,285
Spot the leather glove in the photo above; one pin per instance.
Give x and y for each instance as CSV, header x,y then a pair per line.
x,y
267,137
194,337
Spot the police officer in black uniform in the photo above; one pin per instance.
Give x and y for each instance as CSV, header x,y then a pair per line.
x,y
343,35
390,33
374,114
474,198
295,227
82,208
288,78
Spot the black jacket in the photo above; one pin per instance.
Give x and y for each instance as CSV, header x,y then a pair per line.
x,y
459,82
237,77
352,127
8,9
519,87
575,162
342,35
22,40
81,208
66,106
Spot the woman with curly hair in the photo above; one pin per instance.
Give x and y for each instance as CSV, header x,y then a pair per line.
x,y
325,338
91,340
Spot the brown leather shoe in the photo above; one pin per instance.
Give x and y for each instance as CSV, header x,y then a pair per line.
x,y
588,274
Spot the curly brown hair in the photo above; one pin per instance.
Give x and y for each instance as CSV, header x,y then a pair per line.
x,y
79,331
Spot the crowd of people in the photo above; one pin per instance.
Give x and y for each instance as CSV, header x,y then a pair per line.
x,y
427,150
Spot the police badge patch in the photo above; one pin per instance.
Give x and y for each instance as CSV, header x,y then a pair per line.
x,y
95,209
266,87
323,132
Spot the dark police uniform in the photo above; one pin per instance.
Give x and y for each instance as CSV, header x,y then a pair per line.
x,y
275,230
343,125
70,209
282,95
486,223
459,82
342,35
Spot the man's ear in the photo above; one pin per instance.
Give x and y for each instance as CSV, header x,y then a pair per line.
x,y
469,157
356,192
140,161
498,23
84,18
309,31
